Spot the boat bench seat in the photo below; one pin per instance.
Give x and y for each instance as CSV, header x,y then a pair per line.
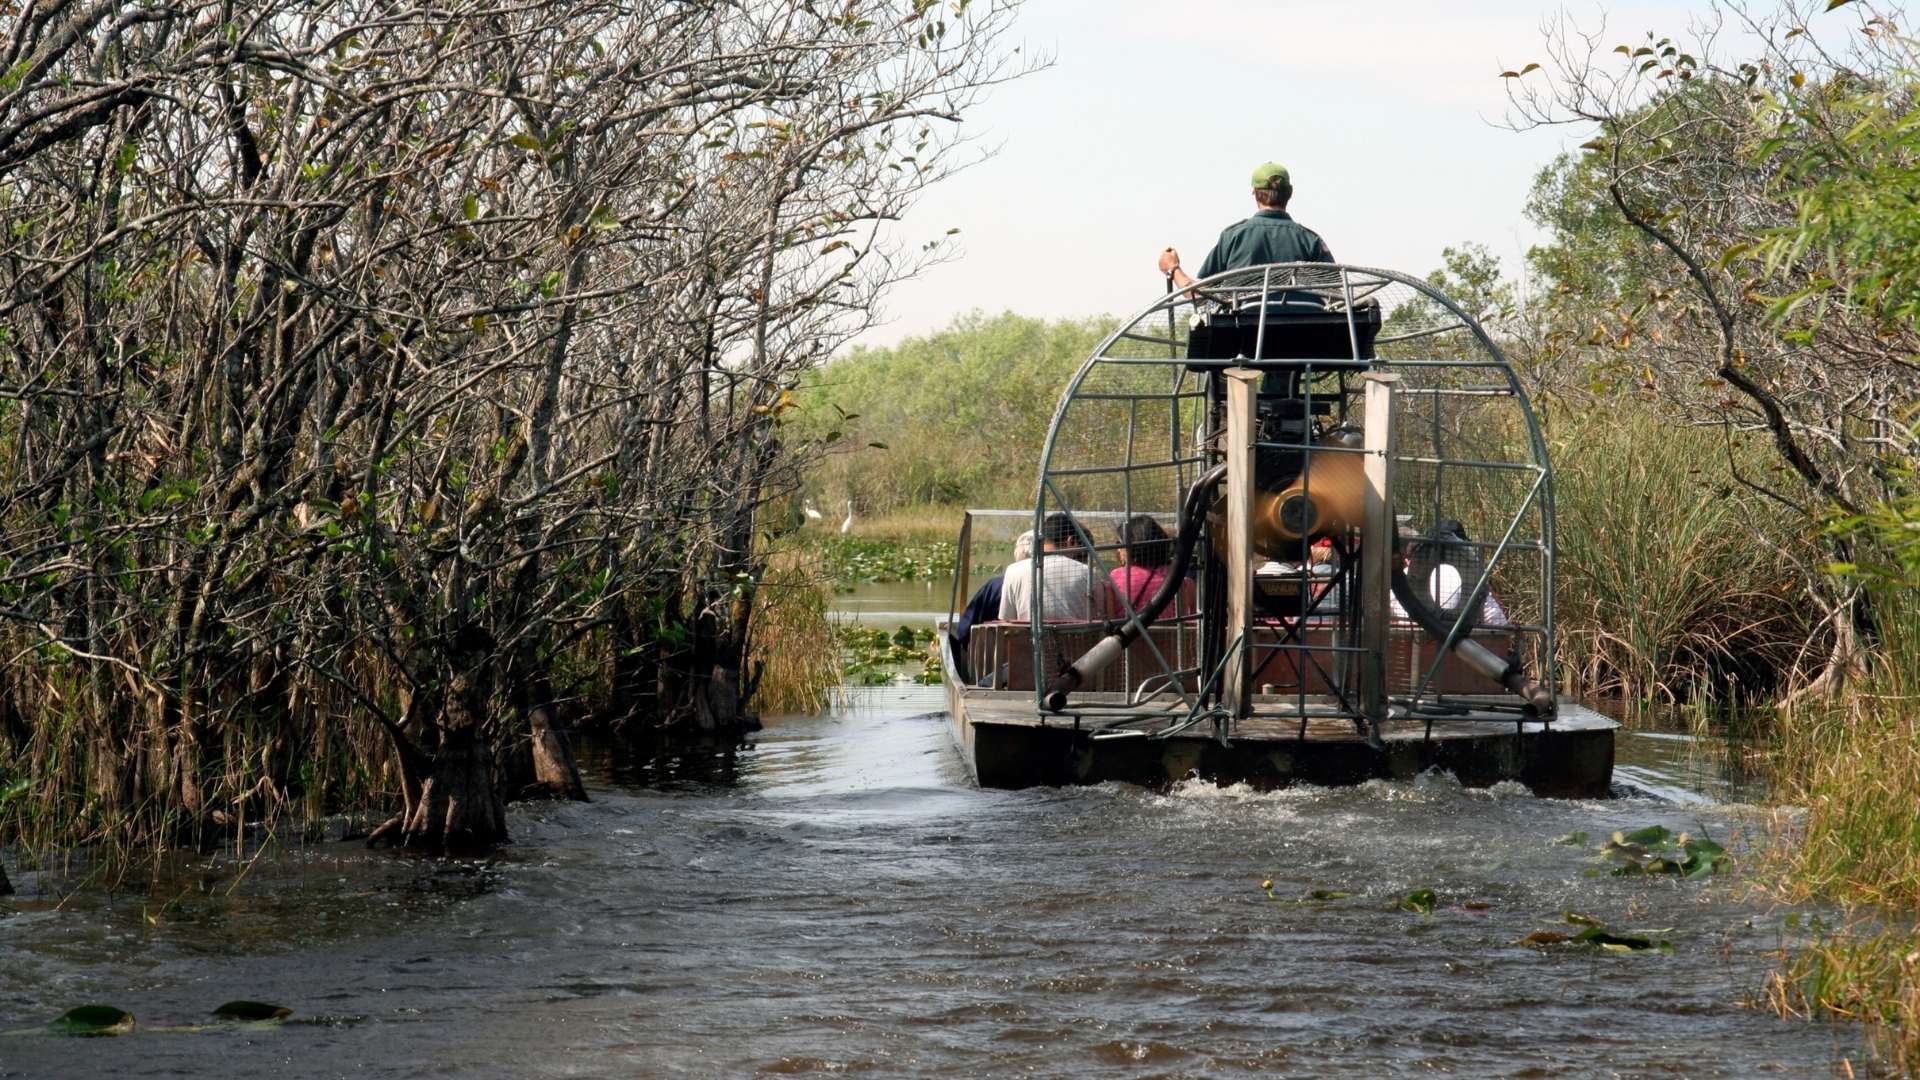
x,y
1001,657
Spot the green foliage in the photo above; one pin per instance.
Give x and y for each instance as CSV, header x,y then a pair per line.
x,y
1470,275
873,657
959,415
1852,168
1657,850
92,1020
1885,544
1669,575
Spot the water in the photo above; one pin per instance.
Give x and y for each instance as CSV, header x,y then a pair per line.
x,y
892,604
837,898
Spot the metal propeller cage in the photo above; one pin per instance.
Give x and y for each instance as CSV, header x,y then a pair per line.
x,y
1140,423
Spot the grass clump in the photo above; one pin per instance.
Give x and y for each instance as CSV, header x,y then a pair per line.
x,y
1852,759
1867,976
793,647
1671,578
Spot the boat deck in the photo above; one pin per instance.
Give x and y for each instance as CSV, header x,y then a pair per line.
x,y
1270,722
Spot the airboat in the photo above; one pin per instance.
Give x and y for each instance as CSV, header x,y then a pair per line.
x,y
1356,575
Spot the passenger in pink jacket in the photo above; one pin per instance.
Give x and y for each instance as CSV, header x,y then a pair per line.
x,y
1144,554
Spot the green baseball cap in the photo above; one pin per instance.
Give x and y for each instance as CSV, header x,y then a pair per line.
x,y
1271,174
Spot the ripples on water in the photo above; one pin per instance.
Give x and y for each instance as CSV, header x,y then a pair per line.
x,y
837,898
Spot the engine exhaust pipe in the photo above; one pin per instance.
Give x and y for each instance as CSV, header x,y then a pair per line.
x,y
1513,676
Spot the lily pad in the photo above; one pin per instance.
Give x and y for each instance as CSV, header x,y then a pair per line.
x,y
1652,834
1594,935
1419,900
1657,850
251,1012
93,1020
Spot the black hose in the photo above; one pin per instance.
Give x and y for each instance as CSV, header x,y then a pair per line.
x,y
1192,516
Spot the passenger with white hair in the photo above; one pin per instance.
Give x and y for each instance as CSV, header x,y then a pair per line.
x,y
985,605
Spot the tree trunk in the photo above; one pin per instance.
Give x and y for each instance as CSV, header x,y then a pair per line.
x,y
449,803
457,811
554,771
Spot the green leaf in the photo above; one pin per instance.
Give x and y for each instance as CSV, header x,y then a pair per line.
x,y
471,207
526,142
251,1012
1652,834
89,1020
1594,935
1419,900
1831,4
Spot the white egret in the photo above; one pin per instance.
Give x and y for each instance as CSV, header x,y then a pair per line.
x,y
812,512
847,525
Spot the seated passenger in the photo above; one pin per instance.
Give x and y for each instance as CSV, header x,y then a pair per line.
x,y
1145,556
985,605
1070,589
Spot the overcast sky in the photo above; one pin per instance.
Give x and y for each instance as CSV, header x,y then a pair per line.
x,y
1144,132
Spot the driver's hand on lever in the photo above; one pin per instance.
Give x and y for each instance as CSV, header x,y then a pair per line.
x,y
1170,266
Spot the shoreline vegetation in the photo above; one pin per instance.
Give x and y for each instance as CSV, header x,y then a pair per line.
x,y
385,396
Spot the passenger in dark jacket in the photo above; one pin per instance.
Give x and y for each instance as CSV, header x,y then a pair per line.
x,y
984,607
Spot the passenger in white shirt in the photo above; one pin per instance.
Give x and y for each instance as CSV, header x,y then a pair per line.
x,y
1070,589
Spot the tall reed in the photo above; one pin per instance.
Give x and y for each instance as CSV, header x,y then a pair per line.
x,y
1670,576
1852,759
793,651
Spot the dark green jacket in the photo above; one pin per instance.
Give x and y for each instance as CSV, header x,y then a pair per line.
x,y
1269,236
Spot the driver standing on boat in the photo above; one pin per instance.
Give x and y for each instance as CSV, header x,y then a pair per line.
x,y
1269,236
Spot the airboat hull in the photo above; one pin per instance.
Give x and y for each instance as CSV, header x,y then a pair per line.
x,y
1007,742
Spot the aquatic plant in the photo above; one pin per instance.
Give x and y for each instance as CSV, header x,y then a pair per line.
x,y
1852,760
1861,972
1594,935
848,560
1656,849
874,657
92,1020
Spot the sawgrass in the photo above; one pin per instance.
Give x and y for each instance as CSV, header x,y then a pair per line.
x,y
1674,583
1852,759
793,649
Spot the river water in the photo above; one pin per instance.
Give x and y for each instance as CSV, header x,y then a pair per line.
x,y
837,897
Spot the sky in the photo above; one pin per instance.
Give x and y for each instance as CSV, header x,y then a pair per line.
x,y
1145,130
